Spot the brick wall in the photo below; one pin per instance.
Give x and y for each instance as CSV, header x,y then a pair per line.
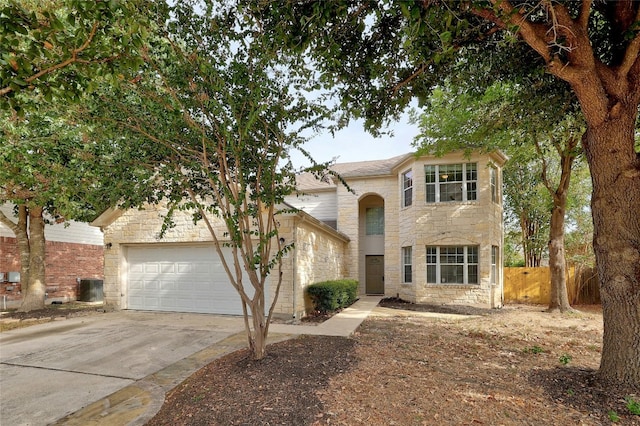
x,y
65,262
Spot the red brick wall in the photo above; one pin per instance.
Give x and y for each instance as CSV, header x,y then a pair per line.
x,y
65,262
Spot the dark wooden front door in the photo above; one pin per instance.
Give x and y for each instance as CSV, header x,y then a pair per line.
x,y
374,274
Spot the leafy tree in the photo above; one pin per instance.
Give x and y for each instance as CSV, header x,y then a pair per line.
x,y
57,48
53,172
542,146
214,115
54,52
380,55
527,206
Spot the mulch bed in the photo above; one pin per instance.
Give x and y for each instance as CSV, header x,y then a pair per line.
x,y
501,367
279,389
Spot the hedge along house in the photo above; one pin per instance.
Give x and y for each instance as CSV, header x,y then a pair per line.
x,y
426,229
182,271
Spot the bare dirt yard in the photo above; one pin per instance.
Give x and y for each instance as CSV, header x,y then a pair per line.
x,y
418,365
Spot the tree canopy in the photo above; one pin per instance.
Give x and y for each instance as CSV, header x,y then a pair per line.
x,y
380,55
214,113
58,48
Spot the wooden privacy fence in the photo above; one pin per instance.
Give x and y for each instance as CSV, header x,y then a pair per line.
x,y
533,285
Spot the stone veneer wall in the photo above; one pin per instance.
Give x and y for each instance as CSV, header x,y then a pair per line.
x,y
318,254
472,223
65,263
350,222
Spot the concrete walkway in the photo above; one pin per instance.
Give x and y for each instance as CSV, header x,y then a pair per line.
x,y
138,402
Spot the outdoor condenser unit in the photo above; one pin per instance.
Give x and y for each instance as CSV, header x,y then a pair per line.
x,y
90,290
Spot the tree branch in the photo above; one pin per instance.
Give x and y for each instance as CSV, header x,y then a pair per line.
x,y
631,54
71,60
585,11
534,34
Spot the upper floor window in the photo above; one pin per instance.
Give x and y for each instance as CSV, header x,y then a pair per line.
x,y
407,188
452,264
451,182
407,264
374,221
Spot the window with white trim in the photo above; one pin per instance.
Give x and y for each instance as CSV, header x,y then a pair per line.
x,y
374,221
452,264
451,182
407,188
494,264
407,264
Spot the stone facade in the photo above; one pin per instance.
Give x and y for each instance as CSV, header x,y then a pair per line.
x,y
318,253
476,223
323,253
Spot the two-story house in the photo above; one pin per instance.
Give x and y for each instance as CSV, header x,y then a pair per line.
x,y
426,229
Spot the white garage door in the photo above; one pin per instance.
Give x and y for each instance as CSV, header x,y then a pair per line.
x,y
180,279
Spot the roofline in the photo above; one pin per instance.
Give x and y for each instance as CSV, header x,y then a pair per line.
x,y
107,217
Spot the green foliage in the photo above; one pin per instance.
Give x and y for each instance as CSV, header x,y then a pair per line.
x,y
55,50
533,350
632,405
329,296
214,112
613,416
565,359
52,161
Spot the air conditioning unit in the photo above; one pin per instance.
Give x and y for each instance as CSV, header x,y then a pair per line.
x,y
90,290
3,277
13,277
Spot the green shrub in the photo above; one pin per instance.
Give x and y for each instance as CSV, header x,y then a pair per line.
x,y
330,296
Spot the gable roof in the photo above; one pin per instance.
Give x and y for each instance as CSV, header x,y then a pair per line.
x,y
372,168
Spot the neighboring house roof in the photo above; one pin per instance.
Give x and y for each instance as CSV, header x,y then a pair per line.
x,y
71,232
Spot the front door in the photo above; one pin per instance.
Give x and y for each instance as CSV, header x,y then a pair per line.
x,y
374,274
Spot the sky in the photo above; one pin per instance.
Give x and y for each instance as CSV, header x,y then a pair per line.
x,y
353,143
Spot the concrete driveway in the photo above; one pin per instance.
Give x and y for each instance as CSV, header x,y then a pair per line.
x,y
51,370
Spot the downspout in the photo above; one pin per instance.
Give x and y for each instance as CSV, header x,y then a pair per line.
x,y
295,269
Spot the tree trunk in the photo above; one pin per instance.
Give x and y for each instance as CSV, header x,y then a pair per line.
x,y
615,204
557,263
557,260
34,294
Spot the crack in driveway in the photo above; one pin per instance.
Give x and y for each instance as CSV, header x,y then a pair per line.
x,y
67,371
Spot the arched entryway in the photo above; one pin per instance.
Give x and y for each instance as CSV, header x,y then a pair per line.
x,y
371,219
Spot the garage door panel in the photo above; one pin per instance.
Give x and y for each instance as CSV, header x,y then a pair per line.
x,y
181,279
167,268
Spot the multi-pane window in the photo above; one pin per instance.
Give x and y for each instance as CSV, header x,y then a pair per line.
x,y
407,188
452,264
407,262
451,182
374,220
494,185
494,264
